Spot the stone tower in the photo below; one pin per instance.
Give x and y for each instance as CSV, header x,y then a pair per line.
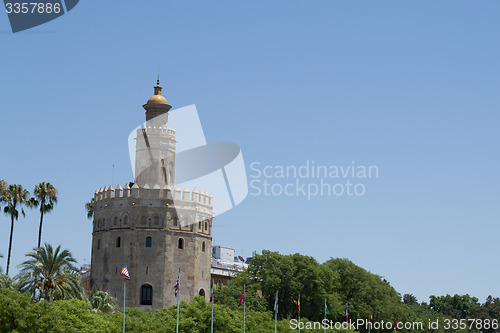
x,y
151,225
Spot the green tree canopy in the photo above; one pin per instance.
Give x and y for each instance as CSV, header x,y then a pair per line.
x,y
457,306
230,296
101,301
50,274
291,275
89,208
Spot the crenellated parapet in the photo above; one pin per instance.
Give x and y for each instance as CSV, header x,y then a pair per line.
x,y
158,135
156,192
154,130
157,207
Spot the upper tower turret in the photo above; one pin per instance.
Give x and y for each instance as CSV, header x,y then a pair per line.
x,y
155,145
157,105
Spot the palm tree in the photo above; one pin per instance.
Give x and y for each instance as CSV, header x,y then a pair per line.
x,y
89,207
14,196
46,196
101,301
5,281
51,274
3,187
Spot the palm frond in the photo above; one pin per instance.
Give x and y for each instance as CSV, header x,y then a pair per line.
x,y
50,274
89,207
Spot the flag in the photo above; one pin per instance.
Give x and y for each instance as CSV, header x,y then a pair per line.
x,y
370,315
242,297
276,303
176,287
211,289
346,313
124,272
298,305
395,322
326,308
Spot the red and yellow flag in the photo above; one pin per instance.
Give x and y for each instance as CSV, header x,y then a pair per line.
x,y
298,305
242,297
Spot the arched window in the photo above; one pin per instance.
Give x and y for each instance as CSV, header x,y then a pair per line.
x,y
206,225
98,244
143,220
103,222
118,242
146,295
180,245
175,221
157,220
199,225
203,247
125,220
148,241
202,292
115,221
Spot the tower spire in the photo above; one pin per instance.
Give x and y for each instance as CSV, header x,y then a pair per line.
x,y
158,80
157,104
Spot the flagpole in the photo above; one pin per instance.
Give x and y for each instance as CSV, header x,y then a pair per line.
x,y
124,287
126,276
369,318
346,318
275,320
212,296
325,314
178,294
299,312
244,301
275,311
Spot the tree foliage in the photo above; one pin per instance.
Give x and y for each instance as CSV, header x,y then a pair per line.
x,y
15,197
363,290
291,275
7,282
410,299
230,296
101,301
89,208
45,196
50,274
457,306
339,281
19,314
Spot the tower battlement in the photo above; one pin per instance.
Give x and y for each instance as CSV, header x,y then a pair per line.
x,y
164,192
158,130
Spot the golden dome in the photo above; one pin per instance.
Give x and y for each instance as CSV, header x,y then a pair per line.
x,y
157,98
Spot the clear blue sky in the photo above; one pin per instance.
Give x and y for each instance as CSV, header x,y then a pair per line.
x,y
411,87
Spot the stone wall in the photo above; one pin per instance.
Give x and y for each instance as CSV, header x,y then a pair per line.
x,y
125,217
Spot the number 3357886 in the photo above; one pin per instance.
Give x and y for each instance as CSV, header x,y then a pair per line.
x,y
32,7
